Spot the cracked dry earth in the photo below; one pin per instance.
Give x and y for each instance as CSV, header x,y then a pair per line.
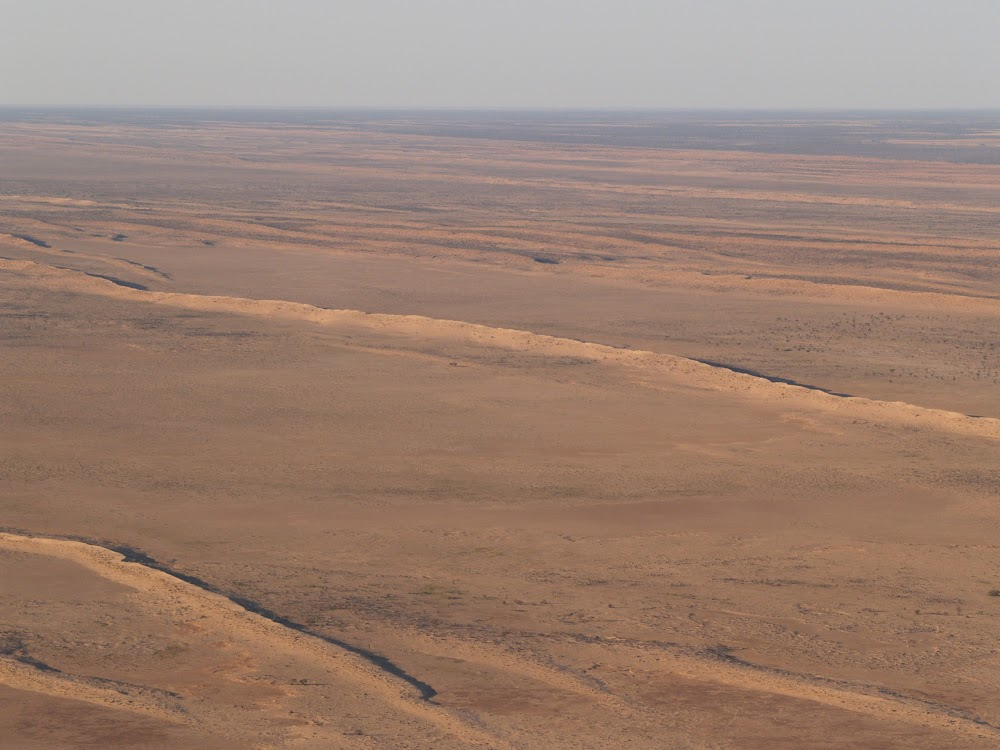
x,y
510,504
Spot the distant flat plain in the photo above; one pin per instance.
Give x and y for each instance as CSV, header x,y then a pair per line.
x,y
472,429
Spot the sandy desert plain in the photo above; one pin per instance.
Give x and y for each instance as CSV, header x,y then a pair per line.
x,y
499,430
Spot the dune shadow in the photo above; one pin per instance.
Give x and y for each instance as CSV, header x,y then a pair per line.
x,y
33,240
771,378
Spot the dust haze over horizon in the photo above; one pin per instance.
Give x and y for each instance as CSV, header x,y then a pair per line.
x,y
772,54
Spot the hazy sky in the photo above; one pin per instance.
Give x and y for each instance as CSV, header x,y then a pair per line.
x,y
510,53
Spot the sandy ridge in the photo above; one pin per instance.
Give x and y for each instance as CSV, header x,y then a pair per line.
x,y
160,586
125,265
648,368
707,666
415,238
234,619
22,676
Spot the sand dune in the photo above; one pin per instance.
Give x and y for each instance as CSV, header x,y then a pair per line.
x,y
268,657
269,654
422,330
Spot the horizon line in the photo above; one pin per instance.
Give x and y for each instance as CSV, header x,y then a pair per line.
x,y
494,108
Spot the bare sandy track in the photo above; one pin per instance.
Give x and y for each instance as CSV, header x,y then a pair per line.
x,y
643,364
